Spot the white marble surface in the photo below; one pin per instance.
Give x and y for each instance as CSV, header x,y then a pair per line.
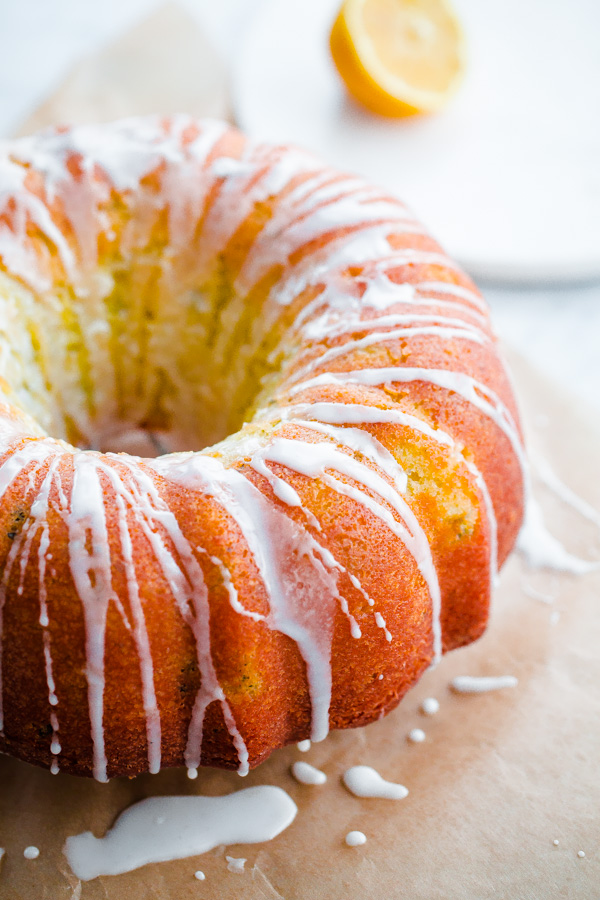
x,y
557,327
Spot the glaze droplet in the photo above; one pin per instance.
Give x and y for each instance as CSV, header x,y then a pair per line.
x,y
192,774
235,864
467,684
199,875
581,854
31,852
364,781
556,843
416,736
307,774
192,825
355,838
430,706
304,746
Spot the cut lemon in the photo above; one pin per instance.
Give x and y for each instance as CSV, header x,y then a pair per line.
x,y
398,57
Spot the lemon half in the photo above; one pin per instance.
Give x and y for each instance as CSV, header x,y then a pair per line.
x,y
399,57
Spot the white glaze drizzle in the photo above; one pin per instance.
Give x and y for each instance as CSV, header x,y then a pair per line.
x,y
380,622
304,746
283,491
153,728
307,774
380,337
455,290
364,781
356,440
327,413
485,400
367,445
36,453
13,247
542,550
342,212
339,302
38,521
188,587
308,622
231,590
189,826
312,460
31,852
470,684
476,393
91,571
412,325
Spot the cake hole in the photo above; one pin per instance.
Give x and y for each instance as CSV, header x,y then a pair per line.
x,y
147,368
137,442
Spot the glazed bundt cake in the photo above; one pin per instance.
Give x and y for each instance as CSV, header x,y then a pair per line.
x,y
168,286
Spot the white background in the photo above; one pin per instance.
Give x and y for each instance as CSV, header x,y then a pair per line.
x,y
558,327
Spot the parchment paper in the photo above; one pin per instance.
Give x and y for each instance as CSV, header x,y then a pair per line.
x,y
499,777
164,65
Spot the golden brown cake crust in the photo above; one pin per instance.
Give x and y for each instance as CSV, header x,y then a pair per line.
x,y
164,284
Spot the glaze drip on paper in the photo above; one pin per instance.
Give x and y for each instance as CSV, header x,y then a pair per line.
x,y
355,838
470,684
307,774
159,829
364,781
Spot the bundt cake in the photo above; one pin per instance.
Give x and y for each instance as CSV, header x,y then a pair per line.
x,y
168,286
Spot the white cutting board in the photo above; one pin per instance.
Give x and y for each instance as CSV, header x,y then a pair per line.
x,y
507,178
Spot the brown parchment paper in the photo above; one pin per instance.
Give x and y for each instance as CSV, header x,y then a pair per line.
x,y
499,777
